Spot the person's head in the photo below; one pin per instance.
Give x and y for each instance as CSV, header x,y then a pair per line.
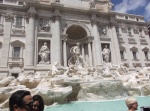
x,y
131,103
45,43
20,100
106,46
38,103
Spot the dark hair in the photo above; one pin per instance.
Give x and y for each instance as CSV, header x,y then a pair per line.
x,y
17,98
40,100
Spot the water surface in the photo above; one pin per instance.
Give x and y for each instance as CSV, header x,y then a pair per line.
x,y
117,105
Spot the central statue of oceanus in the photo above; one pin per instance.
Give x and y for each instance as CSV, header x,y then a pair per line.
x,y
76,59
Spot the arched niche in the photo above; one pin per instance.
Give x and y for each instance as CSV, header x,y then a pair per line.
x,y
79,25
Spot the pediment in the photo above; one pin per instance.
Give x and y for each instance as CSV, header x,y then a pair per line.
x,y
145,49
122,48
17,42
133,48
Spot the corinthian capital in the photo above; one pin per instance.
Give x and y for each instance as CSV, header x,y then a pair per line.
x,y
112,21
93,19
31,12
9,17
56,16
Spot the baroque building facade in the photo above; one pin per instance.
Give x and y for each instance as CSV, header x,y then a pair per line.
x,y
26,25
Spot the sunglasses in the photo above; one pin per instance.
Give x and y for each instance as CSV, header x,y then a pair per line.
x,y
29,106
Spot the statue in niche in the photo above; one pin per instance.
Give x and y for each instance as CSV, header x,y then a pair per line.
x,y
92,3
44,26
76,59
106,54
44,53
103,30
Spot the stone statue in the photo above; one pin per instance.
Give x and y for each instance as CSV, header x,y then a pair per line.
x,y
44,53
106,54
110,6
92,3
122,69
104,31
76,59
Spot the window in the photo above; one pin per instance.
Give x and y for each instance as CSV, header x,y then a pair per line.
x,y
16,53
122,55
134,55
126,17
146,55
18,21
140,32
20,3
137,19
129,31
117,30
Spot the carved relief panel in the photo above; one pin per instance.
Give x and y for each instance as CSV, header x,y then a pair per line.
x,y
143,42
124,30
132,41
102,30
44,25
135,31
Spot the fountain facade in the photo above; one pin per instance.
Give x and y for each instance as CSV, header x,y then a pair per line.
x,y
48,48
79,82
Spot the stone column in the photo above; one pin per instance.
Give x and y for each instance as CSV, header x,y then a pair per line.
x,y
56,41
6,43
97,44
93,52
65,52
90,53
120,31
132,32
82,49
115,52
143,33
30,38
36,43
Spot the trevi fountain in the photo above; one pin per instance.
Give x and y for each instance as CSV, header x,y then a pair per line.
x,y
78,81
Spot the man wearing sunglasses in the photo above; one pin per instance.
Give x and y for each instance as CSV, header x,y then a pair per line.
x,y
20,100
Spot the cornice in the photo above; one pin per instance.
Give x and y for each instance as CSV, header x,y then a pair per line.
x,y
130,22
132,15
9,17
5,6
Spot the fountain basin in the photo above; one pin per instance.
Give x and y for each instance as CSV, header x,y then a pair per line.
x,y
115,105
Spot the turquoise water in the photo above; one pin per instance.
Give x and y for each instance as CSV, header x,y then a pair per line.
x,y
118,105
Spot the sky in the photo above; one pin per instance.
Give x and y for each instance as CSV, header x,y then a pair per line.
x,y
137,7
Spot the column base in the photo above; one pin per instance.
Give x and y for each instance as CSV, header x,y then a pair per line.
x,y
29,69
4,71
99,66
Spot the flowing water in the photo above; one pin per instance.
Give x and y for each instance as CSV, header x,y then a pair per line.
x,y
116,105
